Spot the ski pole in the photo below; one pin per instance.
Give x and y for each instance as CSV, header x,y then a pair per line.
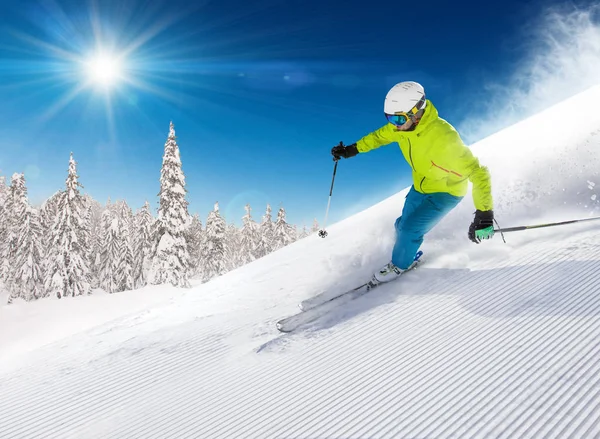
x,y
323,232
539,226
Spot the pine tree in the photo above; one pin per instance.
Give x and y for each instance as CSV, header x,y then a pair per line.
x,y
95,211
233,244
10,230
195,236
85,233
315,226
3,190
266,234
143,246
303,233
213,255
284,233
26,273
116,260
171,261
68,273
250,238
124,267
4,219
109,250
48,214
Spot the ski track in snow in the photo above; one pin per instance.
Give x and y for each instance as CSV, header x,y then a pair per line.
x,y
489,341
452,358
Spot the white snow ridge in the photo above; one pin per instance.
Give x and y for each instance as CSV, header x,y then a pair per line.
x,y
483,341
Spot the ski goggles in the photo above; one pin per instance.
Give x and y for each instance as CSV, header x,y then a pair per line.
x,y
399,118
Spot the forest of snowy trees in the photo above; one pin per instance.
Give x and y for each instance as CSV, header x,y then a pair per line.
x,y
72,244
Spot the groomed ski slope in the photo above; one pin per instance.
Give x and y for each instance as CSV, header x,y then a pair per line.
x,y
483,341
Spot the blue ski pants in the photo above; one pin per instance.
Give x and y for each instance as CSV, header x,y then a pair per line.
x,y
420,214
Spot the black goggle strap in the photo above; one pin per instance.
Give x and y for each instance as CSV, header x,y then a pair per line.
x,y
411,114
414,110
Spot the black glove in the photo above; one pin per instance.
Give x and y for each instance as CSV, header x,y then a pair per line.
x,y
340,151
482,226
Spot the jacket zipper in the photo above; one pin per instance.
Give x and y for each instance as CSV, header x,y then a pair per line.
x,y
410,155
412,164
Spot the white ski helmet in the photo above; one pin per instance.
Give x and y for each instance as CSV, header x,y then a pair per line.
x,y
403,97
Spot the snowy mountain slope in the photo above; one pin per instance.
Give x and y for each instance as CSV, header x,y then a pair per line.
x,y
494,340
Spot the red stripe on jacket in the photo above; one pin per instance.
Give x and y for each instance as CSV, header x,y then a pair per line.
x,y
449,172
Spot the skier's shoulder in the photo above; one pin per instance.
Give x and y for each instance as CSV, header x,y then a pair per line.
x,y
443,131
435,123
440,126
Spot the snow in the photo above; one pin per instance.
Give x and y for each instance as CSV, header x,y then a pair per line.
x,y
490,340
27,326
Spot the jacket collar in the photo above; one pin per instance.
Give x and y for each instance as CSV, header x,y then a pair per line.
x,y
430,115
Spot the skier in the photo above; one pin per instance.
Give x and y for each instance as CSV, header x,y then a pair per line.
x,y
441,167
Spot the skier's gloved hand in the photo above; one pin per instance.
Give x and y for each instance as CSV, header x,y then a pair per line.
x,y
482,226
346,152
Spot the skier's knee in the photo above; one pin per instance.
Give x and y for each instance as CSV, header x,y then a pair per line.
x,y
397,224
409,227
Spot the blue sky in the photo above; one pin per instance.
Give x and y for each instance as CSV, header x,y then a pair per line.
x,y
259,92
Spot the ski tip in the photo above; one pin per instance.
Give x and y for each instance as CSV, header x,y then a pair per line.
x,y
281,327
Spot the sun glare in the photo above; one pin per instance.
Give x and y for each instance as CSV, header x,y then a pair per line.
x,y
94,63
104,70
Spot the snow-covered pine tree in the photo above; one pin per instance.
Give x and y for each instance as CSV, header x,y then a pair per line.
x,y
116,261
194,236
143,241
171,261
284,233
17,193
315,226
26,274
250,238
9,232
266,234
110,247
48,214
124,268
68,273
303,232
3,190
85,233
3,223
155,234
95,210
214,260
233,244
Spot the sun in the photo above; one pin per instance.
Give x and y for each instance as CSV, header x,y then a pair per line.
x,y
105,70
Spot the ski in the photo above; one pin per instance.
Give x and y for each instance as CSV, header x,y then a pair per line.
x,y
330,295
328,303
326,296
289,324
